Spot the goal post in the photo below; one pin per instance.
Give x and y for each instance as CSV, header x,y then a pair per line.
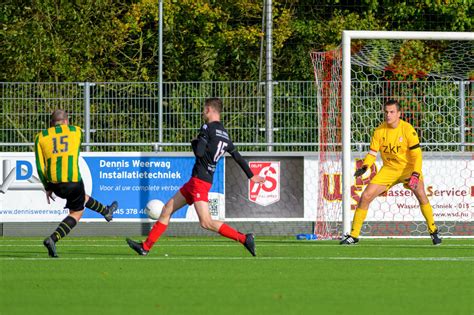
x,y
347,37
427,78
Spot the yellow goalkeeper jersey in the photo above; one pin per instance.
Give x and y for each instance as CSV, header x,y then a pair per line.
x,y
399,147
57,154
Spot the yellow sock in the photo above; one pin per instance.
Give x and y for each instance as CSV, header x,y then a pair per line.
x,y
359,217
428,214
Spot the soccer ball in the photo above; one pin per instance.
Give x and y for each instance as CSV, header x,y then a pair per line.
x,y
153,208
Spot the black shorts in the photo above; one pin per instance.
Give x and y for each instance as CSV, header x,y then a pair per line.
x,y
74,193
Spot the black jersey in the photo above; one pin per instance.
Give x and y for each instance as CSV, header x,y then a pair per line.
x,y
211,144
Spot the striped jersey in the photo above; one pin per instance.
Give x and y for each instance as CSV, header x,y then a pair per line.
x,y
57,154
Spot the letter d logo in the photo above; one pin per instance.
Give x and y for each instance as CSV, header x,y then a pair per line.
x,y
22,166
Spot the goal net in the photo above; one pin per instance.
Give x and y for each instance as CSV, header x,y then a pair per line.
x,y
431,75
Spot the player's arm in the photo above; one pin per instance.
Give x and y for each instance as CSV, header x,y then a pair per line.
x,y
415,155
414,150
40,165
244,165
370,157
81,136
199,144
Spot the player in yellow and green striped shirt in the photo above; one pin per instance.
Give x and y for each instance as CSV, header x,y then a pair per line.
x,y
57,154
57,161
399,146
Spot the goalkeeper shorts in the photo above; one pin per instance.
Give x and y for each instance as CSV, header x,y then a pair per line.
x,y
390,177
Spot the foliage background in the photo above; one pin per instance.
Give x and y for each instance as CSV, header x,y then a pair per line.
x,y
204,40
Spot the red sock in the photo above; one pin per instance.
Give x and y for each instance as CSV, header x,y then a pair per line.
x,y
154,235
229,232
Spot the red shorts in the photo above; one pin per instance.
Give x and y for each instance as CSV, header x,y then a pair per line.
x,y
196,190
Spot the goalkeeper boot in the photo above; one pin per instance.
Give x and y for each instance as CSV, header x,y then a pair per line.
x,y
110,211
349,240
50,246
137,247
250,243
435,238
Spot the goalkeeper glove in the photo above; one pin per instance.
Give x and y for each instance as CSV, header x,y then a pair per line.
x,y
361,170
414,179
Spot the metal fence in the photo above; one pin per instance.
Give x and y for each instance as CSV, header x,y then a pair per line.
x,y
125,116
440,111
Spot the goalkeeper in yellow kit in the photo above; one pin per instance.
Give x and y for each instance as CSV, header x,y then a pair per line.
x,y
399,146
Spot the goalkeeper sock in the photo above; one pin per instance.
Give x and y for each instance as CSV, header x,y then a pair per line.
x,y
155,233
359,217
96,206
428,214
229,232
64,228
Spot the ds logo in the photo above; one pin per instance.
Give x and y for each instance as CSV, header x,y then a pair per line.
x,y
21,171
269,192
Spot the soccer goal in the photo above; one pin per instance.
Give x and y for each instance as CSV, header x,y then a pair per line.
x,y
431,74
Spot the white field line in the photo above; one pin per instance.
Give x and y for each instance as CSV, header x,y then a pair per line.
x,y
221,239
241,258
306,245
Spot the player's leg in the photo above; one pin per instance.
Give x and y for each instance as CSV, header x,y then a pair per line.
x,y
427,211
425,206
384,179
206,221
199,192
205,218
96,206
369,194
75,196
174,204
200,195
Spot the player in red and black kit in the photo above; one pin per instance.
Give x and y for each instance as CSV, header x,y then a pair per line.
x,y
211,144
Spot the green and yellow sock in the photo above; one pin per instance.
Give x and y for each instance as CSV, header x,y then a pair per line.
x,y
96,206
64,228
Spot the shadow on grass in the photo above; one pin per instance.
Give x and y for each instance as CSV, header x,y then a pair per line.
x,y
299,242
20,254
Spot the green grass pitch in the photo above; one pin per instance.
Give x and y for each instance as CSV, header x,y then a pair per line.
x,y
216,276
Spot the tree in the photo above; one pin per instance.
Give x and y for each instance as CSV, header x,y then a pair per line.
x,y
106,40
61,40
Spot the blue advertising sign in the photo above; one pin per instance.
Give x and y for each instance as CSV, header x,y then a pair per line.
x,y
131,179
